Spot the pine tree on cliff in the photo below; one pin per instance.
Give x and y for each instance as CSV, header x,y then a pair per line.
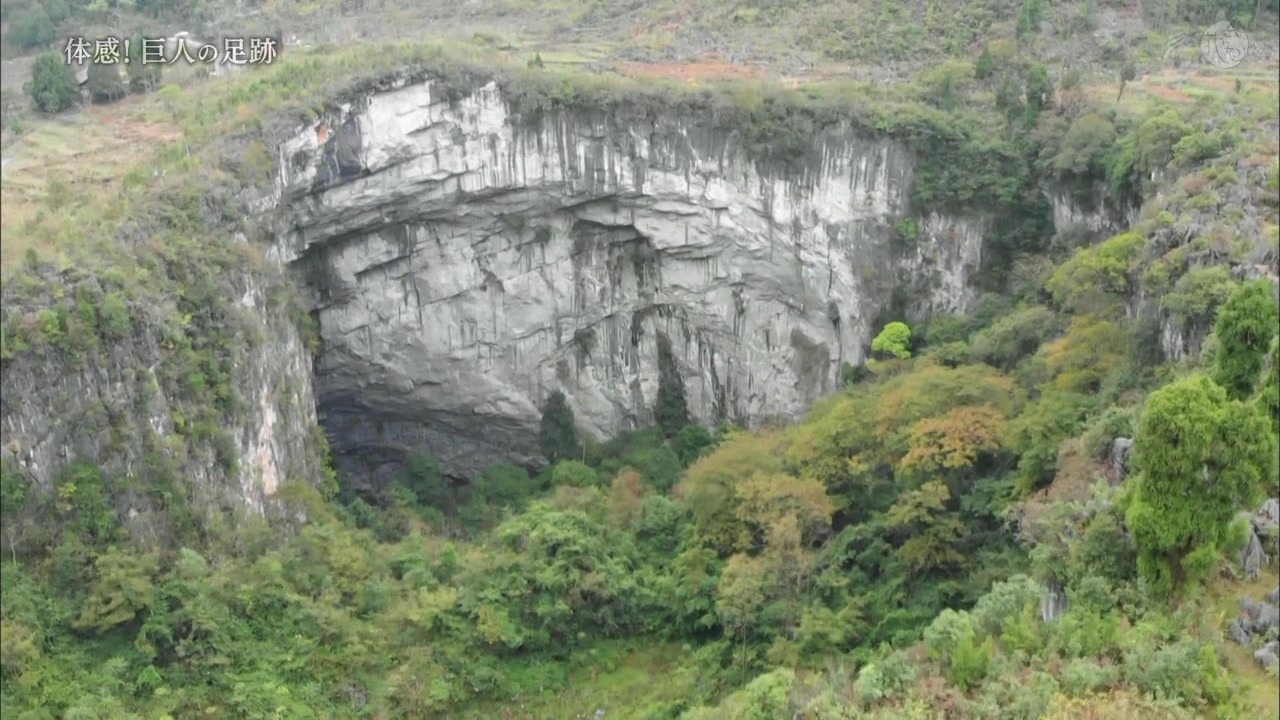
x,y
672,413
559,435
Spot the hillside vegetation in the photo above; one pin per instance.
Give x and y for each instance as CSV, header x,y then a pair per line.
x,y
885,557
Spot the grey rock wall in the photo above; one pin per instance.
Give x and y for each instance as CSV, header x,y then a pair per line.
x,y
466,261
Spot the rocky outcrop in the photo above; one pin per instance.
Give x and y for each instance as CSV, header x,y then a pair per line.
x,y
465,261
1053,603
1258,621
1118,459
1084,218
1264,527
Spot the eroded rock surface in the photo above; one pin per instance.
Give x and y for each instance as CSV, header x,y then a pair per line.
x,y
463,261
467,261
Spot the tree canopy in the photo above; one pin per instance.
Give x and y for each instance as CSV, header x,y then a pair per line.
x,y
894,340
1246,325
558,435
1202,456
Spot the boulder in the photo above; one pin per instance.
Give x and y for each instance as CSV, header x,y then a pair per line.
x,y
1263,525
1237,632
1259,617
1252,556
1269,513
1268,655
1118,458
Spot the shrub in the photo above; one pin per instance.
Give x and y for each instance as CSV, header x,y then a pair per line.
x,y
886,679
1169,672
1114,422
1084,632
970,661
1082,676
113,317
51,87
946,631
105,82
1103,552
573,474
1005,602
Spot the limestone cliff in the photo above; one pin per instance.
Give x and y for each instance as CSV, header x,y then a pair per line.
x,y
466,260
119,406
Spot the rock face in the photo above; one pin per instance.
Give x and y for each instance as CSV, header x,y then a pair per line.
x,y
465,261
113,413
1092,217
1118,459
1258,620
1264,526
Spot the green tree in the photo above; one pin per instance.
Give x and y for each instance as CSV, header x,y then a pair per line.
x,y
943,82
1198,294
1201,457
1269,395
51,88
1039,92
1246,324
931,532
1084,148
1098,279
985,66
142,76
693,439
559,435
1155,141
672,412
1030,16
573,474
1127,74
894,340
32,29
105,83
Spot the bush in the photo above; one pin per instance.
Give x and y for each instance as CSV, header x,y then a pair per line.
x,y
1082,676
51,88
1009,695
113,317
1104,551
573,474
970,661
1176,671
1084,632
105,82
886,679
1005,602
946,631
1114,422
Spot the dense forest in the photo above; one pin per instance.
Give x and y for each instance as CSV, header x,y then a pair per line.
x,y
954,533
804,562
